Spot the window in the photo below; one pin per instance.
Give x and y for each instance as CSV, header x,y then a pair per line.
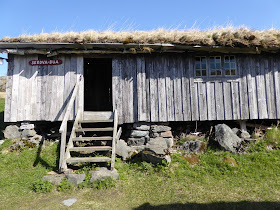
x,y
200,66
229,65
215,66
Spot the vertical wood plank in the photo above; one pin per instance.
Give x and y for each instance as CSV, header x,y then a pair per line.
x,y
227,100
252,92
244,104
44,88
141,90
9,89
178,89
60,90
235,100
211,103
260,89
160,62
153,91
186,89
169,89
276,69
80,73
193,89
23,86
219,100
202,101
34,107
269,88
117,87
148,75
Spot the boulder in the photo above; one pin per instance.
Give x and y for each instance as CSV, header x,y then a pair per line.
x,y
136,141
75,179
235,130
227,139
142,126
27,126
138,133
154,135
54,179
160,128
194,146
244,135
169,142
157,146
12,132
155,159
103,173
28,133
166,134
124,151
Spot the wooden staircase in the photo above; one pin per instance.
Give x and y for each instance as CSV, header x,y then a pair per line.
x,y
92,133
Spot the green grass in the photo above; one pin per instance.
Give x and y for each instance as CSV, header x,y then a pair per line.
x,y
212,184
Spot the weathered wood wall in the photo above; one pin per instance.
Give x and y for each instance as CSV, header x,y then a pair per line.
x,y
36,93
163,88
155,88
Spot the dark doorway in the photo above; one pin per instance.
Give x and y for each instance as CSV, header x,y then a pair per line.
x,y
98,84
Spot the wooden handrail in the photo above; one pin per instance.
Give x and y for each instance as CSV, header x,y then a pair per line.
x,y
114,139
63,127
69,107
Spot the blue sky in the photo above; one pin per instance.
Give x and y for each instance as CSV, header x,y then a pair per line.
x,y
30,17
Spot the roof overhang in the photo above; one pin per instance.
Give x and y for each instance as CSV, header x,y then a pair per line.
x,y
52,49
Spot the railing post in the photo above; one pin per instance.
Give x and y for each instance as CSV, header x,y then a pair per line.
x,y
62,163
114,139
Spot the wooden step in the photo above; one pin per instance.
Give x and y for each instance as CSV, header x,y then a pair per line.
x,y
90,149
94,129
96,121
94,115
88,159
99,138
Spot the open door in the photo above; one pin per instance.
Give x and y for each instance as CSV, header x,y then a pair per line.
x,y
98,84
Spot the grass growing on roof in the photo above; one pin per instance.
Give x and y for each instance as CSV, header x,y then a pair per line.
x,y
219,36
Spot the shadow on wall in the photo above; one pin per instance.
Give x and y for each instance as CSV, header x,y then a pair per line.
x,y
218,205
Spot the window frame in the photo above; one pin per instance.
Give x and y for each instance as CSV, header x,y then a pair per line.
x,y
222,63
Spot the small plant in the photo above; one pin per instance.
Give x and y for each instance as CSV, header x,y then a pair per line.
x,y
86,182
64,185
106,183
41,186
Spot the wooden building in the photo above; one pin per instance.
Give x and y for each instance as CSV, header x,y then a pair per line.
x,y
162,81
152,87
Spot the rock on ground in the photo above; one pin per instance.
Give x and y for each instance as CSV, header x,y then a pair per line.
x,y
155,159
54,179
139,133
12,132
28,133
75,179
160,128
126,152
227,139
69,202
230,161
103,173
136,141
1,141
166,134
194,146
142,126
157,145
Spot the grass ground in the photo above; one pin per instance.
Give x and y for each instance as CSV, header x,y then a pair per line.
x,y
212,184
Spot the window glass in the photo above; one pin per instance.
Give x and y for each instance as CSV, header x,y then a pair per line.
x,y
200,66
230,66
215,66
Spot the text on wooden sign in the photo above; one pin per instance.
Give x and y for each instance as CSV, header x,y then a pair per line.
x,y
45,62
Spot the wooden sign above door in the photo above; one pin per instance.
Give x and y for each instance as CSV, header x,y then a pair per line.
x,y
45,62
